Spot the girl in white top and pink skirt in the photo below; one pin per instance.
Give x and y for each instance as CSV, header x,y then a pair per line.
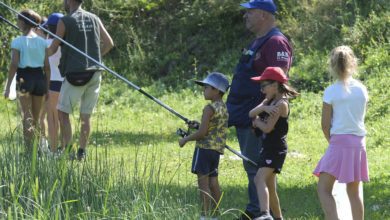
x,y
344,107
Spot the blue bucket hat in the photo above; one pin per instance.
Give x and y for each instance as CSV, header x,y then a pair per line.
x,y
53,19
216,80
266,5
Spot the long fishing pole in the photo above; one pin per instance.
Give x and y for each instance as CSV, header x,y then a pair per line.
x,y
183,133
186,120
99,64
8,22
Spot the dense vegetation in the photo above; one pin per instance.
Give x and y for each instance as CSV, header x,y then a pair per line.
x,y
172,40
135,169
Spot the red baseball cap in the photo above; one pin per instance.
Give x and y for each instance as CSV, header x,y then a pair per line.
x,y
272,73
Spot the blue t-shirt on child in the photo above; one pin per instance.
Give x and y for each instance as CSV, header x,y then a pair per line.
x,y
32,50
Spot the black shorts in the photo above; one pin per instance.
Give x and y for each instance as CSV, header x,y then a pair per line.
x,y
205,162
272,159
55,86
31,80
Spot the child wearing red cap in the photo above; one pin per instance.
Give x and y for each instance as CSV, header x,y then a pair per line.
x,y
271,117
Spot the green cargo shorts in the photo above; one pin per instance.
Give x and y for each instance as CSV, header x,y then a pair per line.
x,y
87,95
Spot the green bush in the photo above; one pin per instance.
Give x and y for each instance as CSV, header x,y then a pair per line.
x,y
172,40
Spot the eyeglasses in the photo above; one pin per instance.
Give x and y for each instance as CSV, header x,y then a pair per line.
x,y
263,85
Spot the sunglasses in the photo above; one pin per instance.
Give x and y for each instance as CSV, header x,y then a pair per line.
x,y
265,84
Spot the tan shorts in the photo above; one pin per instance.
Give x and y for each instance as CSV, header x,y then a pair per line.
x,y
88,94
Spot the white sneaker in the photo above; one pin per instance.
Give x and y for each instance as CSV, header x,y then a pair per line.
x,y
265,216
44,145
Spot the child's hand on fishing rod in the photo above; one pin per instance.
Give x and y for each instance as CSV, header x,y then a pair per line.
x,y
193,124
182,142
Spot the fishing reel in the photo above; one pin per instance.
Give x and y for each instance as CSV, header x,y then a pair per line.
x,y
182,133
192,125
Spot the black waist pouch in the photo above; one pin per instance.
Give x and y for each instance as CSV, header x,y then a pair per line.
x,y
79,78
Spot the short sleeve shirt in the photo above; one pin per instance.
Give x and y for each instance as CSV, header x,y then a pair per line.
x,y
32,50
348,102
275,52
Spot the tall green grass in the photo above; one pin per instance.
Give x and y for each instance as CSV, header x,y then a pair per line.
x,y
135,169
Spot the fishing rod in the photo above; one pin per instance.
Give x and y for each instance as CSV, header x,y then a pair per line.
x,y
183,133
8,22
186,120
98,63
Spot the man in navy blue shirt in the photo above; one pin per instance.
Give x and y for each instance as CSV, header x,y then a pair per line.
x,y
269,48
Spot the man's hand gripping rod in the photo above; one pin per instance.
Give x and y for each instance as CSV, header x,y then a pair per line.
x,y
183,133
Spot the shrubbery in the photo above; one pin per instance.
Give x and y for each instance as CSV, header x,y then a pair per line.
x,y
174,40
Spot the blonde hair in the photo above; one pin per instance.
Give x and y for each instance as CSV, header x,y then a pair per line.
x,y
342,63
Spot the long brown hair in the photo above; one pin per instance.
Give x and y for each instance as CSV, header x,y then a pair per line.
x,y
32,15
287,90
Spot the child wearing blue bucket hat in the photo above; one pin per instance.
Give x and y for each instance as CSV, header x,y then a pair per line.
x,y
210,142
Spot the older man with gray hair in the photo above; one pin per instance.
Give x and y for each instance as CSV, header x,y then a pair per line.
x,y
269,48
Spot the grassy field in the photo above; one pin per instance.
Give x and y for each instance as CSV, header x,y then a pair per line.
x,y
136,170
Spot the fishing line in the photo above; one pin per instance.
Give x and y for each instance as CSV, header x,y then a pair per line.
x,y
186,120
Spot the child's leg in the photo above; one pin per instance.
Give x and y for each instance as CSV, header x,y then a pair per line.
x,y
273,196
215,191
27,118
37,106
42,122
261,179
52,120
204,192
324,190
355,200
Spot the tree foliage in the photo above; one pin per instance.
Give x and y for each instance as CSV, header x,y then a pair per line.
x,y
174,40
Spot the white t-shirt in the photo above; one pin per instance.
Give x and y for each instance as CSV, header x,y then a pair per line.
x,y
54,61
349,107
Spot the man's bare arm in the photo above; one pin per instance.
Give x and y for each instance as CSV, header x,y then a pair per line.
x,y
56,43
107,42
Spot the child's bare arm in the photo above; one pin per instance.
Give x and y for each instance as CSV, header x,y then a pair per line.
x,y
262,108
12,70
326,119
46,68
257,110
208,112
280,110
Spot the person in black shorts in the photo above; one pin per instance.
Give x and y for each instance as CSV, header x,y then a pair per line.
x,y
271,117
31,65
210,142
55,86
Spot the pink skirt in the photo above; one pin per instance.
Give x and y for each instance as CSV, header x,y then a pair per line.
x,y
345,159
